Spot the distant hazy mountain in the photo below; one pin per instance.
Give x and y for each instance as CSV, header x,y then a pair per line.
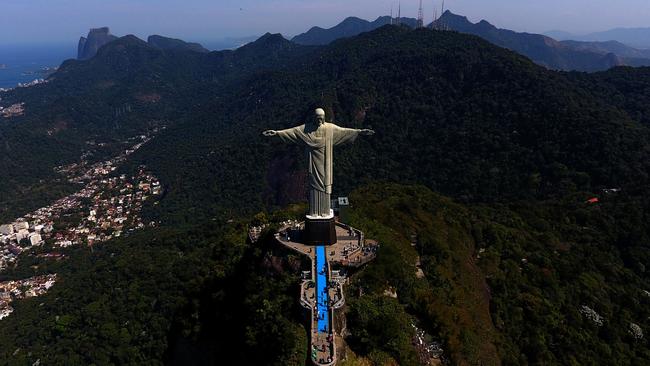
x,y
546,51
630,56
228,43
616,47
97,37
349,27
634,37
541,49
560,35
166,43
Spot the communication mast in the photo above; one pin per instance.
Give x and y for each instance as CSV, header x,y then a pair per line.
x,y
391,13
435,15
442,25
399,12
420,17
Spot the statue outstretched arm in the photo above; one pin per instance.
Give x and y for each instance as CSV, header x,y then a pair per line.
x,y
344,135
288,135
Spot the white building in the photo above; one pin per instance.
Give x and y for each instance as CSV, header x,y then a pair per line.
x,y
22,234
35,239
6,229
21,225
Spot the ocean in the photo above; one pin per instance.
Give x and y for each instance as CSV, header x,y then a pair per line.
x,y
25,63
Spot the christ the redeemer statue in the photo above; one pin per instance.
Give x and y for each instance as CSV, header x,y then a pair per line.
x,y
319,138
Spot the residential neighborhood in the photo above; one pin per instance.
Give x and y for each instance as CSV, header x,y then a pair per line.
x,y
108,206
15,290
13,110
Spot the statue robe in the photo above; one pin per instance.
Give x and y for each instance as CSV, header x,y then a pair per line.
x,y
319,142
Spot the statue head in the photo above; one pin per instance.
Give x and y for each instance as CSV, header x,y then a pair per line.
x,y
320,116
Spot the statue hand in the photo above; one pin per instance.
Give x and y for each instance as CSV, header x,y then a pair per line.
x,y
270,133
367,132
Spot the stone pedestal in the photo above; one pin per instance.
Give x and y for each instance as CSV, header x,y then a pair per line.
x,y
319,231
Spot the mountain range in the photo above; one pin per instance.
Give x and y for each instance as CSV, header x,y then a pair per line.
x,y
589,55
349,27
166,43
98,37
569,55
482,174
634,37
579,56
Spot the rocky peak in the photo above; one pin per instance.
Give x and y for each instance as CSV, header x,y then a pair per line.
x,y
97,37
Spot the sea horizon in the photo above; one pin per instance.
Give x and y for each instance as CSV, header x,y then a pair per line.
x,y
23,63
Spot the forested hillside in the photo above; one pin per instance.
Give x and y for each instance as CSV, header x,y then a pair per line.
x,y
487,159
508,282
452,112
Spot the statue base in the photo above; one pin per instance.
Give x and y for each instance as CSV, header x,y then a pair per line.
x,y
320,231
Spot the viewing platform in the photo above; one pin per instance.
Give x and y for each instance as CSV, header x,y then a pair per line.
x,y
320,292
352,249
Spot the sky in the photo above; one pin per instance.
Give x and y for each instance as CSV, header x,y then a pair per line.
x,y
52,21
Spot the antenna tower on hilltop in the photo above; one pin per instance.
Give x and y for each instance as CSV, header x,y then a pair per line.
x,y
435,15
399,12
420,17
391,13
442,25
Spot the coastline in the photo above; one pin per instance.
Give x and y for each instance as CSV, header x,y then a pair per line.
x,y
22,64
